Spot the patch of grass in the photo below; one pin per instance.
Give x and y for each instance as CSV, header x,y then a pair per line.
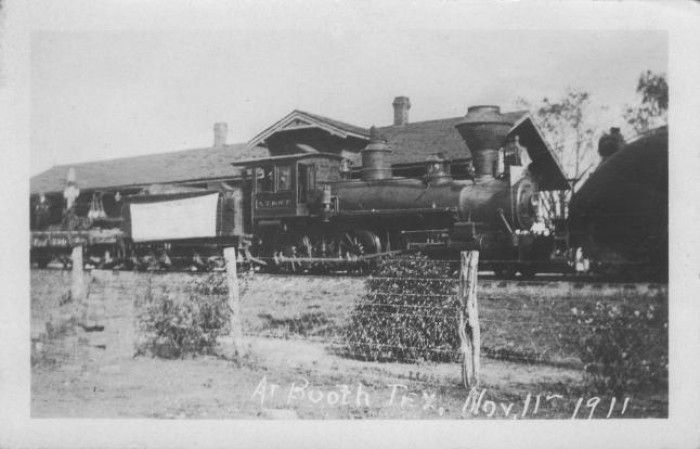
x,y
44,350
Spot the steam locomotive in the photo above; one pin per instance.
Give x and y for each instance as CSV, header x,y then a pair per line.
x,y
303,211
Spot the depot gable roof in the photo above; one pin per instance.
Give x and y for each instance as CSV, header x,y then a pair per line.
x,y
297,119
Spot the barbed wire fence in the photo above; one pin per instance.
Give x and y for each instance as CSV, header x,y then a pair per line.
x,y
389,317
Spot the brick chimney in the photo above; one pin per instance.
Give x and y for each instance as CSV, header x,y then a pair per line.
x,y
220,132
401,107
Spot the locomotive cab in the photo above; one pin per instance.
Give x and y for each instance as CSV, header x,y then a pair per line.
x,y
289,186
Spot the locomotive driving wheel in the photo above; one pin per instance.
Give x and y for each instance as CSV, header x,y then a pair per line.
x,y
314,249
359,243
351,246
306,252
344,245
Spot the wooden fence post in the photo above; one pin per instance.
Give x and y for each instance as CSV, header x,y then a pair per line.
x,y
234,300
468,319
77,286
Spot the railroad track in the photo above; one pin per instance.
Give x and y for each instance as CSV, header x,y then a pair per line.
x,y
486,279
490,281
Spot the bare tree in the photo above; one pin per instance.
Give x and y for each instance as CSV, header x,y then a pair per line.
x,y
569,132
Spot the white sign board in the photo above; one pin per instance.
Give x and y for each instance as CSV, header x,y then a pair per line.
x,y
175,219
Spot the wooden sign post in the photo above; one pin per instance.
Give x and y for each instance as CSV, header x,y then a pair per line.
x,y
468,319
234,301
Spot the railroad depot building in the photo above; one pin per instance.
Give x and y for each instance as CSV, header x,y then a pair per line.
x,y
103,184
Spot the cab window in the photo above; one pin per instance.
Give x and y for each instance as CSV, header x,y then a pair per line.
x,y
284,178
266,179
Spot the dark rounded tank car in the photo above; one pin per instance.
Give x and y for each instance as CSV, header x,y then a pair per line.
x,y
620,215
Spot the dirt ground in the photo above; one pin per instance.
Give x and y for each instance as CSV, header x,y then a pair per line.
x,y
95,374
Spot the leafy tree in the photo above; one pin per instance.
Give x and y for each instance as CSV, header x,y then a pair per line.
x,y
652,110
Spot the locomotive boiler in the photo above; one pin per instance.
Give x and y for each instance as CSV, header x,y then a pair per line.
x,y
304,210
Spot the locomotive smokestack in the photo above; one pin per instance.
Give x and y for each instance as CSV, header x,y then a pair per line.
x,y
484,129
401,107
374,158
220,132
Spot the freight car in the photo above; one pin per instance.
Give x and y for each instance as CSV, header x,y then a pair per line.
x,y
55,230
619,217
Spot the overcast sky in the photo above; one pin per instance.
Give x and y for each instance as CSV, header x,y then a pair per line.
x,y
97,94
